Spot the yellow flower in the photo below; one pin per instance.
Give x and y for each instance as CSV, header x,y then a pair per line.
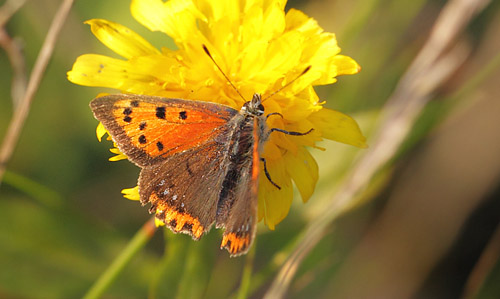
x,y
260,48
131,193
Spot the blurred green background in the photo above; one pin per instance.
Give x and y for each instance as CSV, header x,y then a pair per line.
x,y
432,213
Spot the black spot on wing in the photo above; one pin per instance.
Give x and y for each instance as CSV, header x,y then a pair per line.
x,y
183,115
160,112
187,226
159,145
127,111
173,223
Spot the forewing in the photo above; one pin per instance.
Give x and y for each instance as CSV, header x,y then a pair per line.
x,y
150,129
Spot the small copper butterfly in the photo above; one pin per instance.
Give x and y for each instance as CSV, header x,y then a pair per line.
x,y
199,161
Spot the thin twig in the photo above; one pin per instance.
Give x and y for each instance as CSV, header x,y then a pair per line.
x,y
8,9
21,112
14,51
16,58
430,68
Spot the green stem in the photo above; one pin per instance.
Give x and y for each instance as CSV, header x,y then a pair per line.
x,y
174,257
247,274
37,191
108,277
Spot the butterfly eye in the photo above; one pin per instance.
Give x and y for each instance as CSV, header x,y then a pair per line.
x,y
260,108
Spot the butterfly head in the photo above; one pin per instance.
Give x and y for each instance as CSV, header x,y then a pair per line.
x,y
253,107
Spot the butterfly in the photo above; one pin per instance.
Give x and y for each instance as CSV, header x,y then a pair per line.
x,y
200,161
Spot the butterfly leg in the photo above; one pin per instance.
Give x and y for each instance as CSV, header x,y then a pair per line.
x,y
290,132
274,113
284,131
268,176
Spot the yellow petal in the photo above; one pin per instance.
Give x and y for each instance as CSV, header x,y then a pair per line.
x,y
345,65
121,39
282,55
217,10
119,155
298,108
317,49
271,151
308,139
339,127
274,203
176,18
149,13
100,131
100,70
158,222
161,67
274,19
261,37
304,171
297,20
131,193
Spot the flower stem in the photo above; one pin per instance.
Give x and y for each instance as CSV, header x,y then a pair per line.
x,y
42,194
247,274
108,277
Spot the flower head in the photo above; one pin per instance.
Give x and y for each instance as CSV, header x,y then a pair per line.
x,y
260,48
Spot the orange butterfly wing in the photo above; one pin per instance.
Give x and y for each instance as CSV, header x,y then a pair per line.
x,y
148,129
199,161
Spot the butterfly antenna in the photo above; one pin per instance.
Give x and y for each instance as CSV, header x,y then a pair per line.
x,y
289,83
224,74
